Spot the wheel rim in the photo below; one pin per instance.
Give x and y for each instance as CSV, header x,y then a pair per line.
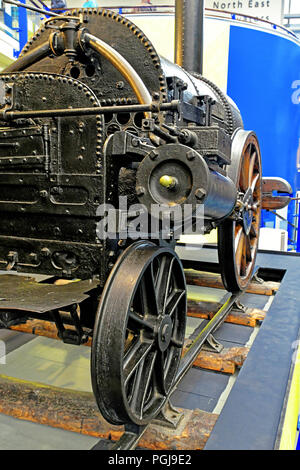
x,y
238,236
139,334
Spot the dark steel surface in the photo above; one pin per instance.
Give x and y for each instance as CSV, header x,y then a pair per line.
x,y
25,294
147,290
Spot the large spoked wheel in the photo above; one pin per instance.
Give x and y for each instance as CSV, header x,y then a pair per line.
x,y
139,334
238,235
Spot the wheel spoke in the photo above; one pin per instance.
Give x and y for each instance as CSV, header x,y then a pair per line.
x,y
173,301
176,343
251,167
163,282
160,372
141,383
243,267
137,321
168,363
239,249
134,356
147,294
248,248
254,181
244,177
253,231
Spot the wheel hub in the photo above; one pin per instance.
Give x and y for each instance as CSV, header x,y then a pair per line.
x,y
248,212
164,333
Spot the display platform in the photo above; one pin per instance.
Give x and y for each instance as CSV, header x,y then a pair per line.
x,y
256,411
249,388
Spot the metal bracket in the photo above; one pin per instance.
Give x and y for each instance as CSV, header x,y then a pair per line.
x,y
12,260
239,306
169,416
212,345
67,335
256,279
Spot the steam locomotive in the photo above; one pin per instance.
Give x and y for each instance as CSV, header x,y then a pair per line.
x,y
90,113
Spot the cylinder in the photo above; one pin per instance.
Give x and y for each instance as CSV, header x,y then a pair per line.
x,y
221,197
173,175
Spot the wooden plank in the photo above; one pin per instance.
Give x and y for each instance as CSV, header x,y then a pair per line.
x,y
204,279
226,361
42,328
206,310
77,411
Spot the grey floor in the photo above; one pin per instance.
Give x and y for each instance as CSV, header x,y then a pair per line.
x,y
52,362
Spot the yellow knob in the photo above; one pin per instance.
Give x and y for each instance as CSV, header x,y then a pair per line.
x,y
167,181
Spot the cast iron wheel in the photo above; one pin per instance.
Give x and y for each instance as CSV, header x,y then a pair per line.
x,y
139,334
238,235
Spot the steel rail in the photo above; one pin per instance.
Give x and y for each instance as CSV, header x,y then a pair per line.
x,y
133,433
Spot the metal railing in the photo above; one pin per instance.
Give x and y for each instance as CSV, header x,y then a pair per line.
x,y
291,26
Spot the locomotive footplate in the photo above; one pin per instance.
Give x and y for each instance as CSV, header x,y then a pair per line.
x,y
23,298
26,294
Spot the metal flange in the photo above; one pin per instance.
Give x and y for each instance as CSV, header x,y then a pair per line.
x,y
172,175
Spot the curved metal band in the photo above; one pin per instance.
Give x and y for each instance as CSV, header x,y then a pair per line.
x,y
123,66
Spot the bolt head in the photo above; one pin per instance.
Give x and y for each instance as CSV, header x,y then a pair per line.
x,y
153,155
140,190
200,193
190,155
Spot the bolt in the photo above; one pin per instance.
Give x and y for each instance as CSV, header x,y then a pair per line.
x,y
135,142
200,193
45,252
190,155
120,85
154,155
140,190
43,193
33,257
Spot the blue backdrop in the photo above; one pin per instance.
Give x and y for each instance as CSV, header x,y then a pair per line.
x,y
264,79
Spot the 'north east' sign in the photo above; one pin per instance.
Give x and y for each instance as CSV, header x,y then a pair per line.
x,y
265,9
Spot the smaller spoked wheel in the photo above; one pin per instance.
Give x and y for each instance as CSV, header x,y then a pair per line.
x,y
238,235
139,334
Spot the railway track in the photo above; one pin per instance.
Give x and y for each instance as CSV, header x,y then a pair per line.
x,y
209,307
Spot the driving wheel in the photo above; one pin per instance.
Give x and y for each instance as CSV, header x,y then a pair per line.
x,y
139,334
238,235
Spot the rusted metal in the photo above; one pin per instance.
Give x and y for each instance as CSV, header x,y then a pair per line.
x,y
279,186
